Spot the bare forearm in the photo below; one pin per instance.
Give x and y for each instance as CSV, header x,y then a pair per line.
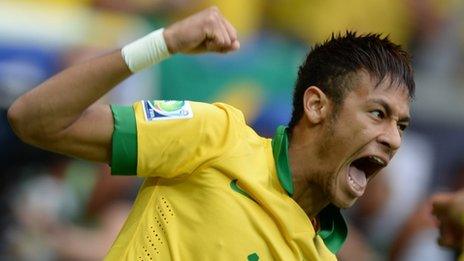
x,y
56,115
58,102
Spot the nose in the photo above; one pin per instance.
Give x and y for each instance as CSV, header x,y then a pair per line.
x,y
391,137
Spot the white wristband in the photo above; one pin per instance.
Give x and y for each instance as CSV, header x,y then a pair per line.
x,y
146,51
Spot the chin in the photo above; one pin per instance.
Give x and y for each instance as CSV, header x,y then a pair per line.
x,y
343,202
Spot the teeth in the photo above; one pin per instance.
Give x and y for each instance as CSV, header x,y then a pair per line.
x,y
354,184
378,160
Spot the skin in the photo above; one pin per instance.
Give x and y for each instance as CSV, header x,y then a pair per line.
x,y
448,208
58,114
330,141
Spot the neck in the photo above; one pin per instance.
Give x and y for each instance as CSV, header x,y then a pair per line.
x,y
303,150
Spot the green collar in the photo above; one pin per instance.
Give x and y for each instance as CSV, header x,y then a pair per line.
x,y
333,226
280,152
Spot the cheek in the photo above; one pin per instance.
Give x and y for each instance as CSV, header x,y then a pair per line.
x,y
365,129
353,137
365,134
354,126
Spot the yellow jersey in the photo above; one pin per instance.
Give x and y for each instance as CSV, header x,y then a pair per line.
x,y
213,190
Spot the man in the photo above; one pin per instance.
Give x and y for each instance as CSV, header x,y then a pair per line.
x,y
214,189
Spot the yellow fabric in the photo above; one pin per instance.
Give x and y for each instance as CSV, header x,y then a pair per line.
x,y
187,208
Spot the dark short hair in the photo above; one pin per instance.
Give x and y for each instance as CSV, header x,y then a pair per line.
x,y
332,66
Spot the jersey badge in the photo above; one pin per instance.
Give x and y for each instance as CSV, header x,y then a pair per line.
x,y
166,110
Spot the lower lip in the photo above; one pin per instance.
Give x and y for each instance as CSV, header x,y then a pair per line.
x,y
355,189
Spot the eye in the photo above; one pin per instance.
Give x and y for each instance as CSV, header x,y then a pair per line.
x,y
378,114
402,127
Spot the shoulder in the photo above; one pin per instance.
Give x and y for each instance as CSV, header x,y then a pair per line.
x,y
224,118
231,112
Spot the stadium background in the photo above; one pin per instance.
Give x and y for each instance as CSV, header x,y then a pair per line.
x,y
60,208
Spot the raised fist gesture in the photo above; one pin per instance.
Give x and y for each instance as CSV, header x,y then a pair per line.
x,y
206,31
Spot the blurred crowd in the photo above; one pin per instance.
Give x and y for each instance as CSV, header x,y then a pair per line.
x,y
58,208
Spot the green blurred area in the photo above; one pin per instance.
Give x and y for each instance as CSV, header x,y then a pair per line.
x,y
268,62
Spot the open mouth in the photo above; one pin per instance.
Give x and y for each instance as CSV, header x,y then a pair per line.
x,y
361,170
369,165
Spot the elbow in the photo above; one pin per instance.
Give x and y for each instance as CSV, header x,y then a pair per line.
x,y
15,120
18,122
29,127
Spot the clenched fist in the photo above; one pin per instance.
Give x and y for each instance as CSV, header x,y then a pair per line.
x,y
206,31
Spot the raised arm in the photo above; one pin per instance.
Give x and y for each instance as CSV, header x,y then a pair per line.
x,y
57,115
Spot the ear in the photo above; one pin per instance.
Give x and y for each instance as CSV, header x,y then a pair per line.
x,y
315,104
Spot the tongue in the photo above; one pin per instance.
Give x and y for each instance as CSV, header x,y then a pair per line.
x,y
358,176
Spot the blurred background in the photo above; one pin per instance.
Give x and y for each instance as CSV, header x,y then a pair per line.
x,y
57,208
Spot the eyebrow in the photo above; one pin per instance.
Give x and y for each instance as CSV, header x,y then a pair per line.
x,y
388,109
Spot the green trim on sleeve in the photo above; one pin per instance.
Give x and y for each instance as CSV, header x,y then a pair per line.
x,y
124,141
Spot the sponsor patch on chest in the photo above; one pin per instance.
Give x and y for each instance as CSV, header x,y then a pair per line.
x,y
166,110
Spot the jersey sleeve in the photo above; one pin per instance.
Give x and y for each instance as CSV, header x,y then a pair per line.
x,y
124,141
171,138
